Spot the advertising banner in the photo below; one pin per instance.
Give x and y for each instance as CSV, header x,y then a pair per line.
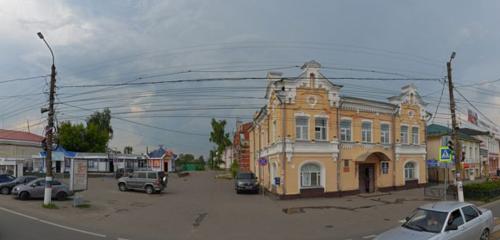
x,y
78,175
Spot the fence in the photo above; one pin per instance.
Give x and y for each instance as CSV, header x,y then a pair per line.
x,y
437,191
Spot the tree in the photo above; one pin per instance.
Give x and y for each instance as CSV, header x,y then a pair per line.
x,y
128,150
94,137
201,159
102,120
220,138
72,137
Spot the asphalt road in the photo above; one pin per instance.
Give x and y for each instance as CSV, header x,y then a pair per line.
x,y
13,226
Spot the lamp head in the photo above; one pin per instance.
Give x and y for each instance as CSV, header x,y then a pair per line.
x,y
40,35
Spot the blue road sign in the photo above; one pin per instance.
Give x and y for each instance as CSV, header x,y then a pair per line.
x,y
445,154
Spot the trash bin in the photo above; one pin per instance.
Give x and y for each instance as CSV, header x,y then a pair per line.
x,y
498,172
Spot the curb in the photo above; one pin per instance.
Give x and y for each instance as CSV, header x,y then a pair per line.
x,y
486,205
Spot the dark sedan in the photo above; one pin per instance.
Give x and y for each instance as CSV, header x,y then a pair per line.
x,y
246,182
6,187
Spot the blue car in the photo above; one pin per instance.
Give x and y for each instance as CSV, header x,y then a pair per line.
x,y
6,178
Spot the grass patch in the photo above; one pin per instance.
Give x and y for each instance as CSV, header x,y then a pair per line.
x,y
85,205
50,206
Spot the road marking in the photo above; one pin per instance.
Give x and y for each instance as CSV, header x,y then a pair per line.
x,y
53,224
369,236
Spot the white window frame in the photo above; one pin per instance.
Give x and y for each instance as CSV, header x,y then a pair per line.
x,y
342,130
319,176
382,168
415,171
363,131
413,135
388,140
325,137
401,134
298,134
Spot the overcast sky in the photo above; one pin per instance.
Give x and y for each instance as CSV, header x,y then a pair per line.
x,y
122,41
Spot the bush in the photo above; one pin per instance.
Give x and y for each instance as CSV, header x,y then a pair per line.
x,y
484,191
235,167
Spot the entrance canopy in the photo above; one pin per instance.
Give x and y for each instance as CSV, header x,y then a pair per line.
x,y
380,156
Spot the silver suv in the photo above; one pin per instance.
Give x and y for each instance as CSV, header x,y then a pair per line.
x,y
149,181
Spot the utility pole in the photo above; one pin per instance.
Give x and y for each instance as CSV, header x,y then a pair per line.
x,y
50,129
454,134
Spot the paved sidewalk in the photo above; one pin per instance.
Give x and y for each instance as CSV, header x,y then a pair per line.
x,y
202,207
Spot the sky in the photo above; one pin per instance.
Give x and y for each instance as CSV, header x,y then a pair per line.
x,y
110,42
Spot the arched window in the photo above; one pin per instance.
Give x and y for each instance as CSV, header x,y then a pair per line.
x,y
310,176
312,79
410,171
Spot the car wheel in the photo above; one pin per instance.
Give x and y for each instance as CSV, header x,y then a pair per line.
x,y
61,196
122,187
485,235
150,190
24,196
5,190
238,191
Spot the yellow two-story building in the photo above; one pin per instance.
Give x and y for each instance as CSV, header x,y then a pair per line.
x,y
310,141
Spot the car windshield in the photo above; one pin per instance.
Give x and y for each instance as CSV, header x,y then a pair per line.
x,y
426,220
246,176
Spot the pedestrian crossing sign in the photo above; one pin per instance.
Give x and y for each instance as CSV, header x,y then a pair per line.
x,y
445,154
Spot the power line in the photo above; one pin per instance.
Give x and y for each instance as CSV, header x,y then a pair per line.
x,y
241,79
439,102
23,79
144,124
475,108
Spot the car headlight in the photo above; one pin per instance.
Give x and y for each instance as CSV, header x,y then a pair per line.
x,y
241,184
16,189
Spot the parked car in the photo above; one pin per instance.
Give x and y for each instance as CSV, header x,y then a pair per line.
x,y
444,220
148,181
6,187
36,189
6,178
246,182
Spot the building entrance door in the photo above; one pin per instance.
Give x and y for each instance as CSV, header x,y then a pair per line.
x,y
366,178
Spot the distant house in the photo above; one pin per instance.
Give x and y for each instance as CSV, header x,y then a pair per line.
x,y
16,148
227,158
160,159
61,160
438,136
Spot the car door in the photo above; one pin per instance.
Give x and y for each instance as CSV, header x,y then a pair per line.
x,y
142,178
472,222
56,186
455,219
38,189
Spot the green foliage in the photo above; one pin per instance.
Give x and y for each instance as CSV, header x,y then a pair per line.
x,y
72,137
235,167
93,137
220,138
484,191
50,206
187,162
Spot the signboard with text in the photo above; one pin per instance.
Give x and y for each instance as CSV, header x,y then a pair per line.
x,y
78,175
263,161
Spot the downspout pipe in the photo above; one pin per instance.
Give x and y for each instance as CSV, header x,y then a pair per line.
x,y
339,156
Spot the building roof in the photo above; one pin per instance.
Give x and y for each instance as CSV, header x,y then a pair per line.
x,y
435,130
19,136
160,153
473,132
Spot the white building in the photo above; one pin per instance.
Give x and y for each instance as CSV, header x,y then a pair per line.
x,y
16,150
227,158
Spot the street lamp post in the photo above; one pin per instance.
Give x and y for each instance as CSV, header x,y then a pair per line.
x,y
49,129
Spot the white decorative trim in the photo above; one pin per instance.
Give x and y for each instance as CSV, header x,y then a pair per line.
x,y
322,171
410,149
417,170
301,114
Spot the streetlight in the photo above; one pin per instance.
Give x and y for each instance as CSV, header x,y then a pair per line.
x,y
50,128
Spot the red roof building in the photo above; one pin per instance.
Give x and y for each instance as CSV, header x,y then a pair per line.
x,y
11,135
241,146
